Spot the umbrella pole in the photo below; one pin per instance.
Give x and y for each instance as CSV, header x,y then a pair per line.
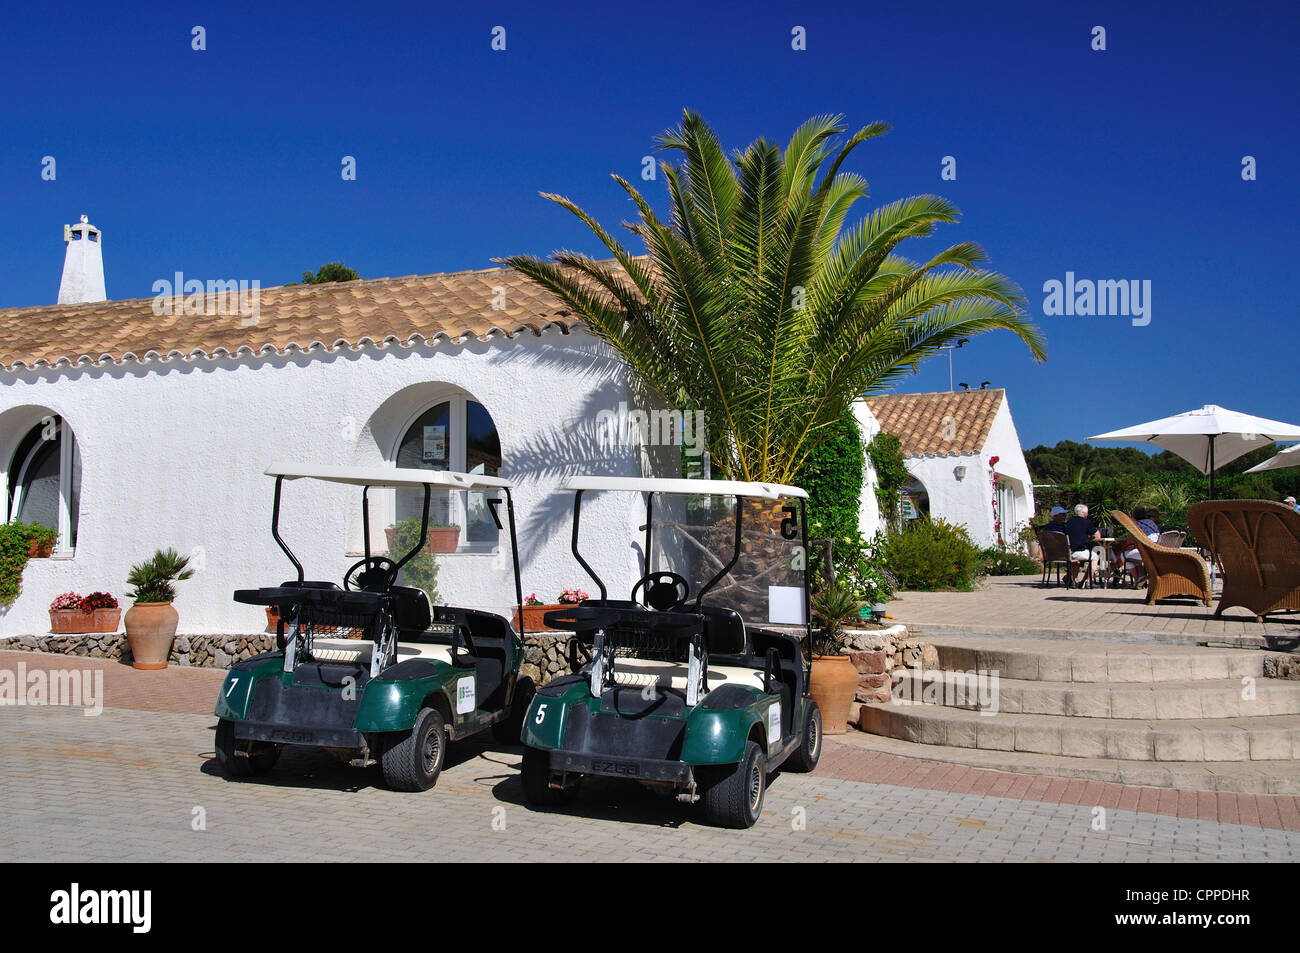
x,y
1211,466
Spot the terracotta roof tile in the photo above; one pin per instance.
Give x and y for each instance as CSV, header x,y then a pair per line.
x,y
383,311
929,425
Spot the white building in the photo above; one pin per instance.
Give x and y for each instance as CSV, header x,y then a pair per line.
x,y
956,445
140,424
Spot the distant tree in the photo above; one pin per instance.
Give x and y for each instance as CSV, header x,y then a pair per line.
x,y
330,271
1073,462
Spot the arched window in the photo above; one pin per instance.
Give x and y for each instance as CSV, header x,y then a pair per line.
x,y
44,481
455,434
914,499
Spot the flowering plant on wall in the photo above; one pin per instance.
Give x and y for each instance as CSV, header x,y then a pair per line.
x,y
532,600
68,600
572,597
98,600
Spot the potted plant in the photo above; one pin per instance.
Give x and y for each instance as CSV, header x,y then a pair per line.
x,y
151,622
834,678
40,540
443,537
535,610
67,615
104,610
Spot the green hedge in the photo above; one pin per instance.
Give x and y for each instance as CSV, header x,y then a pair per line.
x,y
13,560
933,554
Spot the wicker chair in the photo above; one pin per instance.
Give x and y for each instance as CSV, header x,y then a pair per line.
x,y
1173,538
1170,571
1056,552
1257,542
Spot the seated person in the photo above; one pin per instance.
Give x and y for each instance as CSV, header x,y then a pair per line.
x,y
1057,523
1082,531
1129,555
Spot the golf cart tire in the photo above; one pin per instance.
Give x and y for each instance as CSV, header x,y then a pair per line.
x,y
509,731
261,758
729,790
810,746
537,780
407,764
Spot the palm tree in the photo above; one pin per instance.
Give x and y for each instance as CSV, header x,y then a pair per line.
x,y
755,305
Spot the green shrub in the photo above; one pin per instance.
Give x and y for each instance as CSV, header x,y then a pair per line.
x,y
154,580
422,571
933,554
1002,562
13,560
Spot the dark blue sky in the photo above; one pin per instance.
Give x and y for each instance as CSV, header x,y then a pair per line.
x,y
1123,164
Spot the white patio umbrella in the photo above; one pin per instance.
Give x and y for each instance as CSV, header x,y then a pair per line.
x,y
1207,438
1290,457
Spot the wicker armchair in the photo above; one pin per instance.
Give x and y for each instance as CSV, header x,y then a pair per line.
x,y
1257,542
1170,571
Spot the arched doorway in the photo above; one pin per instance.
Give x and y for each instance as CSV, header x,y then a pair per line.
x,y
914,500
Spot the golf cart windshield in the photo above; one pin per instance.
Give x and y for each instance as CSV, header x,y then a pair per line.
x,y
697,557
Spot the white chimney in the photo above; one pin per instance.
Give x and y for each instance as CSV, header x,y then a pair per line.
x,y
83,265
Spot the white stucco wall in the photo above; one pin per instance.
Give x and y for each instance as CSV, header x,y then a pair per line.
x,y
173,454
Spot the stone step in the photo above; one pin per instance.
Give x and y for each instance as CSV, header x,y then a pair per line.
x,y
1089,661
1241,777
1263,738
1193,698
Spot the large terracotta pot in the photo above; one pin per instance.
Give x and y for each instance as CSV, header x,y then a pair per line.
x,y
533,616
442,539
150,629
834,683
37,549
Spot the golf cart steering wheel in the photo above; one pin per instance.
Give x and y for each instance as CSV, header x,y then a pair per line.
x,y
663,590
375,569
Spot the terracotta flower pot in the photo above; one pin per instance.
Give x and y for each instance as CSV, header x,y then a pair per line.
x,y
105,620
150,629
70,621
40,549
533,616
834,683
442,539
272,618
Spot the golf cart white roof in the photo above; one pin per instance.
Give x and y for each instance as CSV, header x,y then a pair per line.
x,y
766,491
400,477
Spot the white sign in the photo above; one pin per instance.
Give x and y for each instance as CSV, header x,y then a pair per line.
x,y
773,723
465,702
435,443
785,605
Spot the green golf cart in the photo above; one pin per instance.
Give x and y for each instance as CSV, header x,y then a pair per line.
x,y
696,680
369,669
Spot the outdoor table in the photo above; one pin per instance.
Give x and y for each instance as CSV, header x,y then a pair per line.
x,y
1103,546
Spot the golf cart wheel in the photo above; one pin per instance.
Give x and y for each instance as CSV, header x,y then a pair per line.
x,y
414,762
810,748
733,794
537,780
510,730
261,757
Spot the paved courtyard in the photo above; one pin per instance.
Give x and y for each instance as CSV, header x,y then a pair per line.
x,y
1018,605
140,785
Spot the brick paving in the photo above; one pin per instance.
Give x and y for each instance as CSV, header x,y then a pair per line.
x,y
128,785
1017,605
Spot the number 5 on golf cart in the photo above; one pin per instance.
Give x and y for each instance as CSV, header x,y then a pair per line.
x,y
697,678
417,677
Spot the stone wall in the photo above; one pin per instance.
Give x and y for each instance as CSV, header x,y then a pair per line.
x,y
875,653
546,657
199,651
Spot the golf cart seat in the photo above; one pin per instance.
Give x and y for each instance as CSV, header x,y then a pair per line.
x,y
357,651
639,673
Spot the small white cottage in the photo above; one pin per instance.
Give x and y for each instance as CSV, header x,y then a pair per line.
x,y
139,424
964,457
